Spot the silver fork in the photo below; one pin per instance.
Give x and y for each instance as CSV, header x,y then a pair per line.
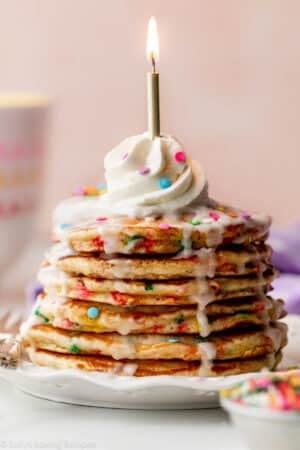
x,y
11,318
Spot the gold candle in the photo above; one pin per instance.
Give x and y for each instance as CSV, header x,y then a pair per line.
x,y
153,80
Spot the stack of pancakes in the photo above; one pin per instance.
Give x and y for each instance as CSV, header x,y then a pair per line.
x,y
186,295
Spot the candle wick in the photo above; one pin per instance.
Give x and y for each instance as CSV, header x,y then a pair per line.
x,y
153,63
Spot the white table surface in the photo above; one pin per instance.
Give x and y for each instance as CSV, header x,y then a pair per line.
x,y
28,422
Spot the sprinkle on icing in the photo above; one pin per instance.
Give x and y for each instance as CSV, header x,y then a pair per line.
x,y
195,222
180,157
246,216
93,312
214,215
67,323
101,219
164,226
279,392
164,183
38,313
173,340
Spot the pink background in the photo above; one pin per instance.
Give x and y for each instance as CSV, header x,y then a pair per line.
x,y
230,88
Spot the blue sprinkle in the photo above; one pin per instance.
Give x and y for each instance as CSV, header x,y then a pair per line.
x,y
93,312
164,183
173,340
102,187
64,225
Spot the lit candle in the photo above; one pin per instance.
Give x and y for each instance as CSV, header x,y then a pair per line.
x,y
153,80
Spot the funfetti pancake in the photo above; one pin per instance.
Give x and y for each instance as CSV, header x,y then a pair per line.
x,y
205,228
242,261
167,292
143,368
141,292
101,318
230,345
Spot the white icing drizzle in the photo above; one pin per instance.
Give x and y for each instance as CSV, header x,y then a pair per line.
x,y
50,276
109,235
126,369
204,326
187,230
58,251
275,335
208,354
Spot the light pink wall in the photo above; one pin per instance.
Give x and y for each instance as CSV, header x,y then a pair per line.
x,y
230,87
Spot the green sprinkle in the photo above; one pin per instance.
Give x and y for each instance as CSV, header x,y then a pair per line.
x,y
38,313
199,339
75,348
173,340
180,245
134,238
149,287
195,222
244,316
179,319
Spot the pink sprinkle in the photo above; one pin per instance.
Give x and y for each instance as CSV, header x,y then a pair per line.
x,y
164,226
79,191
125,156
214,215
180,157
67,323
144,171
101,219
246,216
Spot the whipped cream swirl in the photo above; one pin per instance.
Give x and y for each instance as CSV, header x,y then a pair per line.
x,y
146,177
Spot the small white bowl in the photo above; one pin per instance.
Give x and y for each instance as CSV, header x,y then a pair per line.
x,y
264,429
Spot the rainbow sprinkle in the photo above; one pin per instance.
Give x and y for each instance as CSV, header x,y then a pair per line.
x,y
90,191
164,183
246,216
144,171
180,157
277,392
63,226
74,348
38,313
195,222
93,312
214,215
163,226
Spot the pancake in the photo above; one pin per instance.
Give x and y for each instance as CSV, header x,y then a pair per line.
x,y
142,368
74,315
249,260
166,235
227,346
131,292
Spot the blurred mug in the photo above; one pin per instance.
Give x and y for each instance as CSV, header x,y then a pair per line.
x,y
23,119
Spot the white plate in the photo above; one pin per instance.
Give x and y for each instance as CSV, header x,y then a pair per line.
x,y
112,391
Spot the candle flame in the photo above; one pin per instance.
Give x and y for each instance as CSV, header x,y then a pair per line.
x,y
152,42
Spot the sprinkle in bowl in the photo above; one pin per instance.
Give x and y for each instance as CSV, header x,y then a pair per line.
x,y
266,409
